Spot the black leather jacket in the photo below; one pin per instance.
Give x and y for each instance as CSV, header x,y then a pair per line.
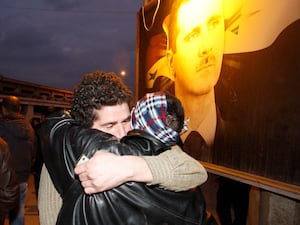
x,y
131,203
9,184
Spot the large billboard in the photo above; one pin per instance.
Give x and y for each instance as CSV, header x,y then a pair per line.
x,y
235,66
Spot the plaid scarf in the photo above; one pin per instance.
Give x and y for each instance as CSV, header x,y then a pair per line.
x,y
150,114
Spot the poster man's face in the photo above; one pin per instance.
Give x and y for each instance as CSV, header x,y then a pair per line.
x,y
199,46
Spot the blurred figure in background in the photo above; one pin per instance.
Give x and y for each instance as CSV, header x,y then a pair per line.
x,y
9,185
19,135
38,160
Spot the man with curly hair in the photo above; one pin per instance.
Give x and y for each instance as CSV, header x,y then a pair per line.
x,y
102,102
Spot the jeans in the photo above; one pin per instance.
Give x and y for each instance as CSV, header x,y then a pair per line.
x,y
232,195
16,216
2,218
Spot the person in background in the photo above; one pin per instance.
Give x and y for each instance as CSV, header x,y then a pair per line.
x,y
233,201
19,135
9,185
38,161
101,101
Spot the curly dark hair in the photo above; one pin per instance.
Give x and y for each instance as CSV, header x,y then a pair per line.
x,y
95,90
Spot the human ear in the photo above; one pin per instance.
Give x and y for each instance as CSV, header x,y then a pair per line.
x,y
170,62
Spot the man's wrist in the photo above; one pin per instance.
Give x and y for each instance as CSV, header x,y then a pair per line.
x,y
136,169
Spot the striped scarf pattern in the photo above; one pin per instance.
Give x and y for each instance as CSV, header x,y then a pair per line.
x,y
149,115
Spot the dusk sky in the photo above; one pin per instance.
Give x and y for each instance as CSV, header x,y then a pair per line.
x,y
55,42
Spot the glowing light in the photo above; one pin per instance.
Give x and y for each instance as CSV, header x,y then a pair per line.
x,y
123,73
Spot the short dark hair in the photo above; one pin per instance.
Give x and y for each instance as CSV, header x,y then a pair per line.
x,y
175,117
171,23
11,104
95,90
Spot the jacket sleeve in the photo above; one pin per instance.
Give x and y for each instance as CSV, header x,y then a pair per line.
x,y
175,170
9,186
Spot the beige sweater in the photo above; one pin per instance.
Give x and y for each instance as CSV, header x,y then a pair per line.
x,y
172,170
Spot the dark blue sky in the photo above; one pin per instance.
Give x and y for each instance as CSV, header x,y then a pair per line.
x,y
54,42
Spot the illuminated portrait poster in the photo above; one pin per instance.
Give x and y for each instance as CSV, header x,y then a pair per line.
x,y
235,66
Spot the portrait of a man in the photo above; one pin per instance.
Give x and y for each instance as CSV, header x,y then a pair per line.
x,y
235,67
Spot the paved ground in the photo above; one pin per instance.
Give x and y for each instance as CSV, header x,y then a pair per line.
x,y
31,211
